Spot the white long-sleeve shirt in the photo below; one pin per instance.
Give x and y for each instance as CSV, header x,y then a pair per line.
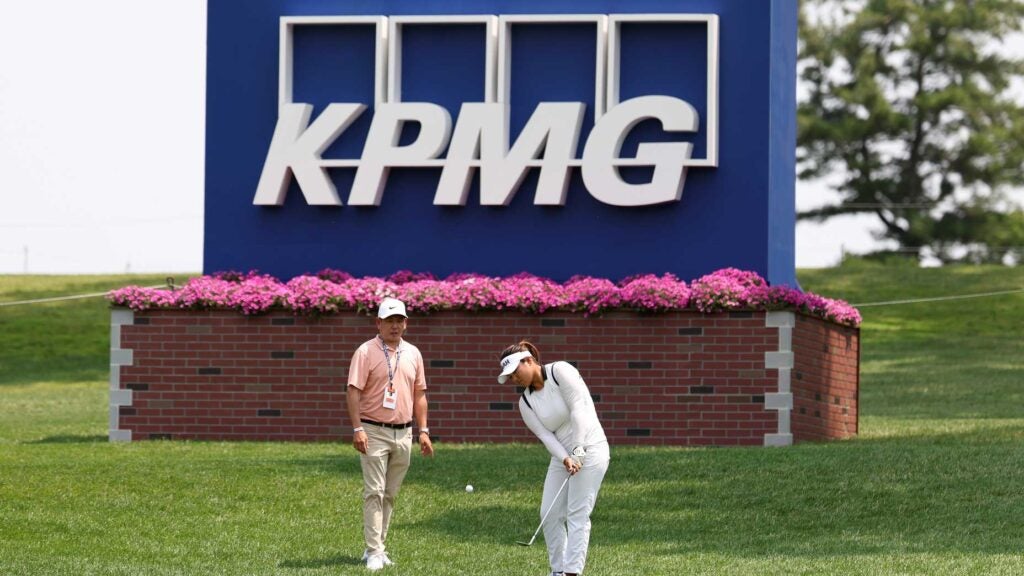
x,y
562,414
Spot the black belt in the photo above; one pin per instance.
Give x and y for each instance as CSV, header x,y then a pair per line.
x,y
386,425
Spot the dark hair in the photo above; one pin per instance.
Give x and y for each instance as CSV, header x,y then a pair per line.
x,y
522,346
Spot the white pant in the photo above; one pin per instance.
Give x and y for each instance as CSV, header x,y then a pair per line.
x,y
567,528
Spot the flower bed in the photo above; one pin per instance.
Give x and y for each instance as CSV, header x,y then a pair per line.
x,y
332,291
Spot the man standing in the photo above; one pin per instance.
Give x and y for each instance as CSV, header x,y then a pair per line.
x,y
386,392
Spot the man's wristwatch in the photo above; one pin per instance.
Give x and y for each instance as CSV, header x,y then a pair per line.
x,y
425,431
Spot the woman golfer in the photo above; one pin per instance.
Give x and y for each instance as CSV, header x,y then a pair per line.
x,y
556,406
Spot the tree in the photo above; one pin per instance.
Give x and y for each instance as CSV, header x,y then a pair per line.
x,y
909,109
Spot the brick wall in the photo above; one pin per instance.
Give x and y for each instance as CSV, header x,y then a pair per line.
x,y
826,377
680,378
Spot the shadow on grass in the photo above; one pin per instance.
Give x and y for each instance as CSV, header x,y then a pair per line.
x,y
33,371
931,493
72,439
910,387
494,524
312,563
343,465
954,487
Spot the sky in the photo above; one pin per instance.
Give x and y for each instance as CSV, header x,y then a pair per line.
x,y
102,142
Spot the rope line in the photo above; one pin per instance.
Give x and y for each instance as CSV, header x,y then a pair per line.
x,y
938,298
62,298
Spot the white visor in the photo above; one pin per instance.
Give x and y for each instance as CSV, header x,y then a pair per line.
x,y
510,363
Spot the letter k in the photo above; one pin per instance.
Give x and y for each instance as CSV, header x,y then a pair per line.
x,y
296,149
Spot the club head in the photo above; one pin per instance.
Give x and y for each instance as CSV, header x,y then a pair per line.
x,y
524,543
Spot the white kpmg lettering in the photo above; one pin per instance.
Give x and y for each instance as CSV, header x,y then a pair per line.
x,y
480,141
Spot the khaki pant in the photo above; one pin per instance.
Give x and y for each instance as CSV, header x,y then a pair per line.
x,y
384,466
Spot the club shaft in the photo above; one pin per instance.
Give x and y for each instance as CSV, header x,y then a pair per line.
x,y
545,516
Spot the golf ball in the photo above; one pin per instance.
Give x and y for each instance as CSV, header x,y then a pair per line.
x,y
469,487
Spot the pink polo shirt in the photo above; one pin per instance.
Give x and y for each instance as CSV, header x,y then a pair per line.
x,y
369,373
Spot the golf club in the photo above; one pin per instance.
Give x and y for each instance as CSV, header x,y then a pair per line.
x,y
545,516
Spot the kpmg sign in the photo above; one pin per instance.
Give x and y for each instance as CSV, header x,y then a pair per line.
x,y
553,137
548,141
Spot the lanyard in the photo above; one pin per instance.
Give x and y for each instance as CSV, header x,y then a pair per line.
x,y
387,358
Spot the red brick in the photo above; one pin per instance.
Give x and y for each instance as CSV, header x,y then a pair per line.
x,y
309,388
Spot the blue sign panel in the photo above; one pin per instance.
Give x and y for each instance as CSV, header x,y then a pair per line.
x,y
603,138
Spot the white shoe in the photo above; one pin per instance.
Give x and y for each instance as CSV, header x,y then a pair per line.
x,y
375,562
387,561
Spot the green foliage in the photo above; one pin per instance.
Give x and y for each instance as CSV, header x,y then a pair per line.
x,y
931,486
978,233
908,105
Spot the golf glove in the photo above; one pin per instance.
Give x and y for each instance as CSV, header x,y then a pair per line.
x,y
578,454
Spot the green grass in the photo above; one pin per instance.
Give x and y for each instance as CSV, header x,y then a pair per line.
x,y
60,341
931,486
935,361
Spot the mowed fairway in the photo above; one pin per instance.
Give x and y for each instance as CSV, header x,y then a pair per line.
x,y
933,485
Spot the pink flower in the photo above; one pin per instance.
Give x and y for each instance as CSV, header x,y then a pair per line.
x,y
315,295
726,289
336,276
591,295
406,276
654,294
331,291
